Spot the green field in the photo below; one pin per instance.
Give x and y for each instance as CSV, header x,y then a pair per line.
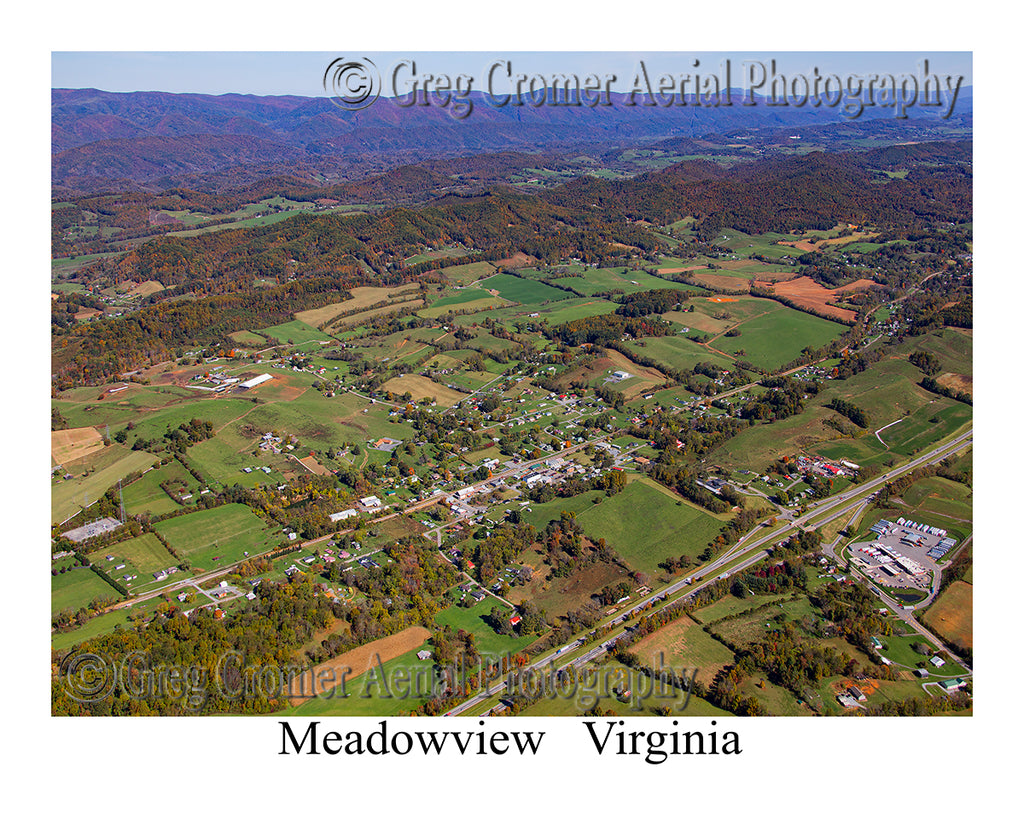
x,y
68,496
219,536
468,273
602,280
484,302
645,525
488,642
679,353
142,555
103,624
78,588
523,291
294,332
364,696
595,687
778,337
146,494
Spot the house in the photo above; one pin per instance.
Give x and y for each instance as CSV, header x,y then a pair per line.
x,y
937,661
515,620
423,655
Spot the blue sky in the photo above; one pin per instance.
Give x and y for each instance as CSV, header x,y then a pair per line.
x,y
301,73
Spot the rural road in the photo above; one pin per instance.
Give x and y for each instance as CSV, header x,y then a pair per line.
x,y
752,553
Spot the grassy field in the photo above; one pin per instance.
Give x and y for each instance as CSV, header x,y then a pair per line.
x,y
420,387
522,291
249,339
103,624
464,274
572,309
645,525
760,622
778,337
365,695
362,298
730,605
481,302
951,616
68,496
146,495
488,642
143,555
679,352
218,536
293,332
558,595
778,701
77,588
602,280
596,685
684,644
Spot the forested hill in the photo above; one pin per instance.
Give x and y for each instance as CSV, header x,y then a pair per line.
x,y
154,140
813,191
591,219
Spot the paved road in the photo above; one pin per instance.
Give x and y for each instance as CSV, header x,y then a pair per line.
x,y
752,553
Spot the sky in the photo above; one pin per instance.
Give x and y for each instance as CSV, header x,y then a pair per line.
x,y
301,73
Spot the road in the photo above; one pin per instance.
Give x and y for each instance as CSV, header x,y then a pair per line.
x,y
418,506
751,553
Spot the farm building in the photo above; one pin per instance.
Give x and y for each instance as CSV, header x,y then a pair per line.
x,y
343,515
255,382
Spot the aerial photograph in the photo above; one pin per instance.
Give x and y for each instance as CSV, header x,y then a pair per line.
x,y
591,385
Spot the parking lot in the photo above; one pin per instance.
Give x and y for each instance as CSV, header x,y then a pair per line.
x,y
902,554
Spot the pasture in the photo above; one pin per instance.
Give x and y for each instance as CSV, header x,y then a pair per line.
x,y
69,496
78,588
645,524
464,274
68,445
522,291
951,616
143,555
293,333
420,387
216,537
684,644
774,339
362,299
602,280
678,352
146,494
487,641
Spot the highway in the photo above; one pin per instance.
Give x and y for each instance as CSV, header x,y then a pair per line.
x,y
751,553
